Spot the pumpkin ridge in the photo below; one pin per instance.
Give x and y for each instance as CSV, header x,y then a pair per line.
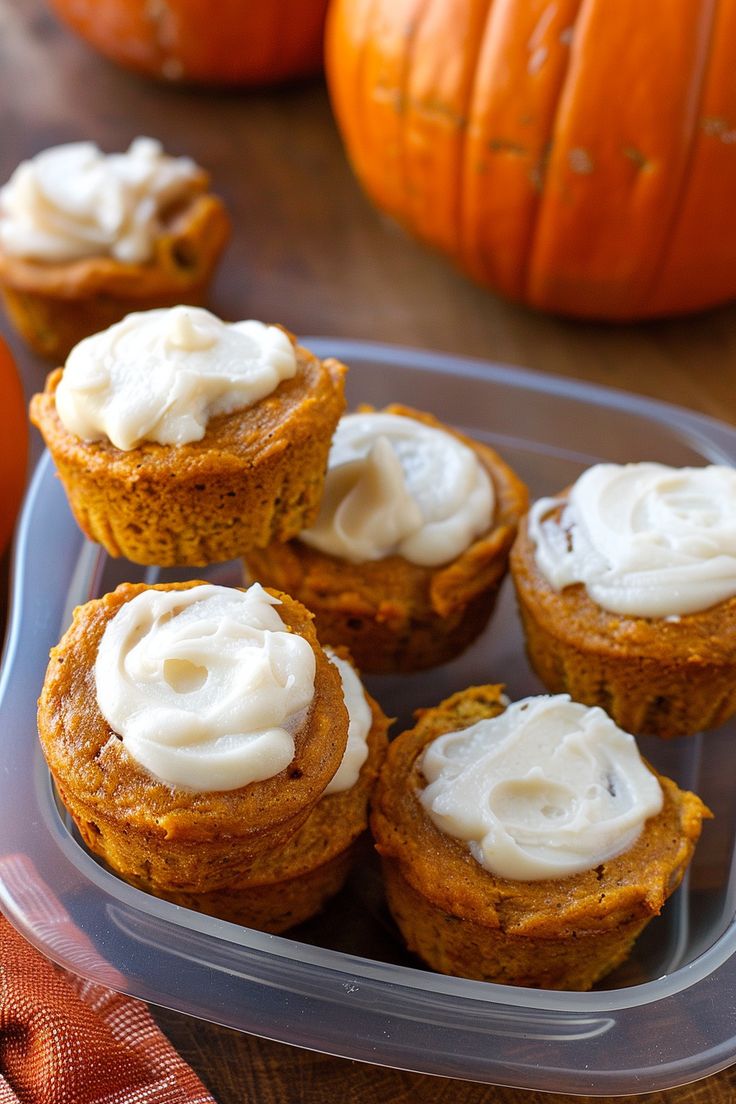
x,y
403,90
358,100
459,217
379,153
602,224
699,271
500,259
695,102
528,253
347,105
441,73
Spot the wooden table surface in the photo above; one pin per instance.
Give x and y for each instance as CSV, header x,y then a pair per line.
x,y
310,252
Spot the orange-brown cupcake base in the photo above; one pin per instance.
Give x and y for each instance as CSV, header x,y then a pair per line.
x,y
464,948
290,884
54,306
290,881
561,933
643,695
166,837
274,906
395,616
385,635
653,676
256,476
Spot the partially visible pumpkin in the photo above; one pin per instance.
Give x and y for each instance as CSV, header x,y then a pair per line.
x,y
578,156
208,41
13,444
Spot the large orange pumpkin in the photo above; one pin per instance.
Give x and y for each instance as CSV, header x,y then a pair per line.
x,y
578,156
208,41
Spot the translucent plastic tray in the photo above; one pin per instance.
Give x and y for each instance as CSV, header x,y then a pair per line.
x,y
343,984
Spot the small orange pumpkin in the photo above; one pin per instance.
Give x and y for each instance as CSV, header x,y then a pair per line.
x,y
577,156
13,444
207,41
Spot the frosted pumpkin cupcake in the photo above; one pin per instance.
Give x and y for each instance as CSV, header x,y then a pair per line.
x,y
289,885
627,590
183,440
527,845
87,238
404,562
190,729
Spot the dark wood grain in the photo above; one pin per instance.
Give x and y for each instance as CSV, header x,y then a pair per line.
x,y
239,1069
311,253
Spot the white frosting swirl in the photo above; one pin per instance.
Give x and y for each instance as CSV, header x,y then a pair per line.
x,y
72,201
160,375
546,789
644,539
360,720
395,486
206,687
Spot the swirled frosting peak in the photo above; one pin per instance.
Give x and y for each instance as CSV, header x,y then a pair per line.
x,y
645,539
205,686
73,201
160,375
396,486
547,789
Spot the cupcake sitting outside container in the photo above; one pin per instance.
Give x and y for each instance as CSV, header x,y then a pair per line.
x,y
527,845
183,440
404,562
87,238
626,585
190,729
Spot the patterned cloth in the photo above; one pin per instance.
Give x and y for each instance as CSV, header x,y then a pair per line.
x,y
64,1040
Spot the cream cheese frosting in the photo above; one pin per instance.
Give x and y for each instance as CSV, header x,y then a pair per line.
x,y
360,720
546,789
395,486
644,539
205,686
160,375
73,201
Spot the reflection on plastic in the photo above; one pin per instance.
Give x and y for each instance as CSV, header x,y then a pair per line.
x,y
49,925
524,1024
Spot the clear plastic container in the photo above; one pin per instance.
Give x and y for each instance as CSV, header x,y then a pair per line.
x,y
342,984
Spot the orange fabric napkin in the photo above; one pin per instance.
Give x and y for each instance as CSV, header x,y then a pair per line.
x,y
68,1041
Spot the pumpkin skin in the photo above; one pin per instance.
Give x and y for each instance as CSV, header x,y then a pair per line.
x,y
224,42
13,444
577,156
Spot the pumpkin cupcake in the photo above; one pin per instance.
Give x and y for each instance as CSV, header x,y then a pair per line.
x,y
181,440
527,845
87,238
190,729
626,585
289,885
405,559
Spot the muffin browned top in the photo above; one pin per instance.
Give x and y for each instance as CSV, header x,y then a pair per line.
x,y
633,884
572,615
194,232
395,580
233,442
88,760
